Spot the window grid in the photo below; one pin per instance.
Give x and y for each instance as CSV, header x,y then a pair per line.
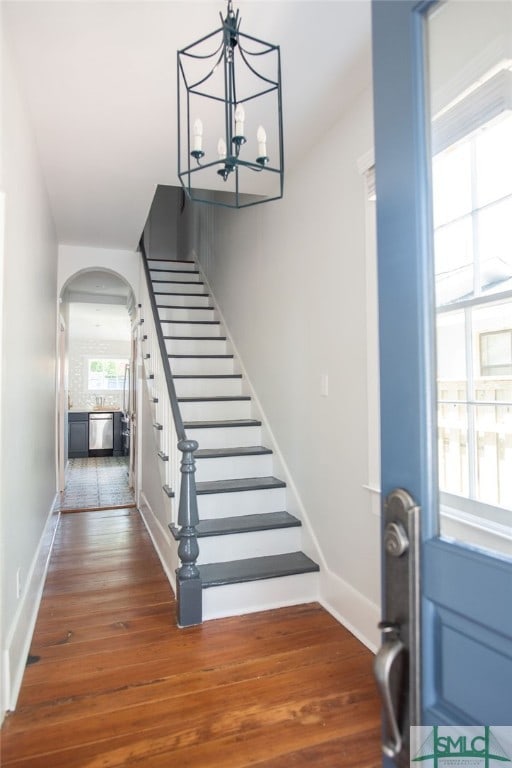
x,y
473,436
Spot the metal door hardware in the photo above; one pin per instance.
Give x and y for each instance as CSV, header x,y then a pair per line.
x,y
396,666
396,541
386,660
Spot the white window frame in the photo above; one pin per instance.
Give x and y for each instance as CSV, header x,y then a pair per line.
x,y
91,358
468,519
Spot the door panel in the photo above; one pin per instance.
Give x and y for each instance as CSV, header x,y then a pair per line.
x,y
466,621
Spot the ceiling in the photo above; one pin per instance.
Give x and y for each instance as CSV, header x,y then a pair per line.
x,y
98,307
97,284
99,322
99,80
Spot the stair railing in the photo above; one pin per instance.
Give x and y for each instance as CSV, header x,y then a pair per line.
x,y
180,483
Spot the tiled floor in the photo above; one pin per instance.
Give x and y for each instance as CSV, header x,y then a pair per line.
x,y
97,483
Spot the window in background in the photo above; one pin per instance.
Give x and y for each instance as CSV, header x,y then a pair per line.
x,y
106,374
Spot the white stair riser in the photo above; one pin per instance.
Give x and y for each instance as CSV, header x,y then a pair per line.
x,y
234,467
201,365
175,287
196,346
192,329
221,549
215,411
181,276
234,599
183,300
184,313
215,505
208,387
164,264
225,437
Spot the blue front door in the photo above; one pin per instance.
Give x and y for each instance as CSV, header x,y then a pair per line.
x,y
445,306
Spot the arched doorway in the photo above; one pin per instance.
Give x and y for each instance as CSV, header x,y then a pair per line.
x,y
96,403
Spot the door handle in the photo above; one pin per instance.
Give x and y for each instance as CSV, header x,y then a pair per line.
x,y
397,664
391,649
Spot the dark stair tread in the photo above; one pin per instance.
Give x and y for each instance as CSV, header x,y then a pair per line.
x,y
214,399
224,526
256,569
175,271
182,306
221,453
178,282
242,484
173,261
177,293
201,357
228,423
207,376
193,322
197,338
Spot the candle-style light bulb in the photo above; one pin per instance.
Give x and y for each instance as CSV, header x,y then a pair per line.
x,y
198,135
221,149
261,138
239,120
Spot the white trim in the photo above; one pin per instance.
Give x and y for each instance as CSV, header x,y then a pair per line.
x,y
351,608
366,161
4,681
476,523
375,500
256,596
162,541
472,531
19,637
366,167
473,111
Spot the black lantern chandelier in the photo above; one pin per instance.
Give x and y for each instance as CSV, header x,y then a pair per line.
x,y
230,124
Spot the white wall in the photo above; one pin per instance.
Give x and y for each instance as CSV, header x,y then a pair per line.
x,y
291,283
76,258
28,480
79,351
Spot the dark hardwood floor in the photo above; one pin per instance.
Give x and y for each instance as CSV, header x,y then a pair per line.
x,y
113,682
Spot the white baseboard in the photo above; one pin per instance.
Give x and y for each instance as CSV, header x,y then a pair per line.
x,y
352,609
165,546
19,638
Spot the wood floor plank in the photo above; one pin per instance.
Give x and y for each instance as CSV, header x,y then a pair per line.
x,y
86,628
180,684
118,684
211,710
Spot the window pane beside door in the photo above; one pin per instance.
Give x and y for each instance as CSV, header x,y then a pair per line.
x,y
472,217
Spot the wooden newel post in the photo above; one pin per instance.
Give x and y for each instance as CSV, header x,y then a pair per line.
x,y
188,578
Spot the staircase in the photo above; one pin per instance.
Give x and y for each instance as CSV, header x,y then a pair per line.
x,y
245,533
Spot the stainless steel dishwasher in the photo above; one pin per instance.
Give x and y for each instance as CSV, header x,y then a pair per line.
x,y
101,434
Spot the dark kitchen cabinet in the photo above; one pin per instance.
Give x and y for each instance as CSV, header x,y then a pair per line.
x,y
78,435
118,440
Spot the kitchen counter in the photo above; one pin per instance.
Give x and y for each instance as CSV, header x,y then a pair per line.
x,y
104,409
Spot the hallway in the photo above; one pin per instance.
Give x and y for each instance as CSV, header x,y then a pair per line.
x,y
113,682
